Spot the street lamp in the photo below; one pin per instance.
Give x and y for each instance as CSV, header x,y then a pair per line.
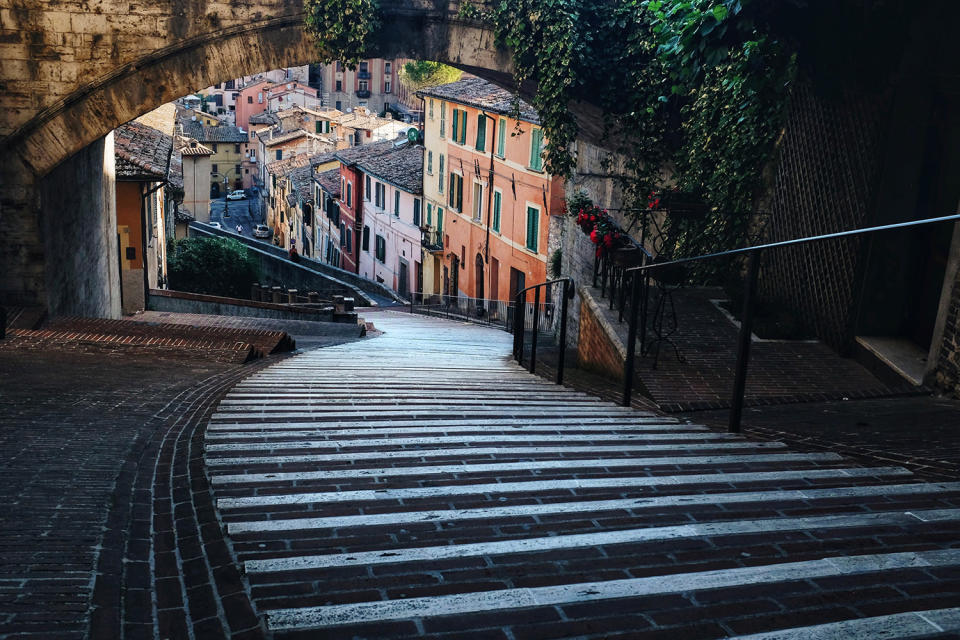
x,y
226,200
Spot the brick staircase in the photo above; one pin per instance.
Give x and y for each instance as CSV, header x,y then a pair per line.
x,y
117,337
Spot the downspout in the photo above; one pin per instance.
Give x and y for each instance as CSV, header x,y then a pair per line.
x,y
486,248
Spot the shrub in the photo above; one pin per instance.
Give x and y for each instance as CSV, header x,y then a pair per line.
x,y
214,266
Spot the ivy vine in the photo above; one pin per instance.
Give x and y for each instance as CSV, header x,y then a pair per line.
x,y
693,91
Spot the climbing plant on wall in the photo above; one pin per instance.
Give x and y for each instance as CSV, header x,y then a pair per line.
x,y
693,91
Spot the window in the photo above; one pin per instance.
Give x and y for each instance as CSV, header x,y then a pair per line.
x,y
343,235
477,201
533,227
460,134
236,148
481,132
456,191
279,154
381,249
249,99
366,196
213,169
396,203
443,126
339,85
416,212
439,220
380,195
497,197
387,68
431,108
440,185
430,162
536,149
339,106
260,98
429,214
214,145
364,67
349,194
386,87
339,67
366,239
349,240
363,85
236,169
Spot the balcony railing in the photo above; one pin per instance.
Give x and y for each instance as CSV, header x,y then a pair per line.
x,y
431,240
363,93
363,75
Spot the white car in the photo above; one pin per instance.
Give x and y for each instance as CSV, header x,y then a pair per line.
x,y
261,231
215,225
239,194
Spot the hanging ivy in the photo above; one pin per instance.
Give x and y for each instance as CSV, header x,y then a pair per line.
x,y
692,91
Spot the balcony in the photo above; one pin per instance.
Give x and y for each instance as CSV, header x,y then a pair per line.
x,y
363,93
363,75
431,240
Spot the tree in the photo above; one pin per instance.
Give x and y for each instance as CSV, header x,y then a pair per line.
x,y
421,74
212,266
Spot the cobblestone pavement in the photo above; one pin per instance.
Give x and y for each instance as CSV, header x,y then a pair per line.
x,y
423,484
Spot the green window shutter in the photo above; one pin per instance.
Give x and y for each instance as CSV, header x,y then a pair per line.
x,y
496,211
439,220
396,203
533,224
460,193
463,126
481,131
536,147
429,214
501,137
442,175
443,121
429,161
456,124
319,124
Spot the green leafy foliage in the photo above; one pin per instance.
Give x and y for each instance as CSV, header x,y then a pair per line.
x,y
213,266
421,74
342,29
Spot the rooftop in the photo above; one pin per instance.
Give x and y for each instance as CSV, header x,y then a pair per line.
x,y
142,147
401,166
264,117
475,92
222,133
283,167
329,181
356,155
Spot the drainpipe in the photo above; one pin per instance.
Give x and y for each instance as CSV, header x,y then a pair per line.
x,y
486,248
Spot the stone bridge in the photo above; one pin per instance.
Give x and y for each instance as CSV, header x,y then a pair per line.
x,y
76,69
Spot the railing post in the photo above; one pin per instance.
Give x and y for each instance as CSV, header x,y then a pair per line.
x,y
743,345
631,338
518,329
567,290
536,330
644,306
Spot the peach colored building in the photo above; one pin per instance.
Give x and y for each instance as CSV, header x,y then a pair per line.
x,y
487,196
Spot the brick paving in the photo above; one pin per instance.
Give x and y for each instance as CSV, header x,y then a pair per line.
x,y
781,372
104,501
421,484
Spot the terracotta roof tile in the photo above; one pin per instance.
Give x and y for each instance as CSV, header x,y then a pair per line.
x,y
475,92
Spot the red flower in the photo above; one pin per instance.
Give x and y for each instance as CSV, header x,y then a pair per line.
x,y
594,236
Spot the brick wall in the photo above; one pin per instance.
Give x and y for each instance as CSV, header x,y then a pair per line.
x,y
947,372
596,349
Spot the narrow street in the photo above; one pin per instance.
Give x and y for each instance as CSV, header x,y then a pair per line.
x,y
245,213
421,483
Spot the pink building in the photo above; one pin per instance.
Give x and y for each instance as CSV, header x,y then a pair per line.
x,y
252,99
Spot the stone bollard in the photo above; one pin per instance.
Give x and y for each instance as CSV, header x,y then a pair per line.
x,y
348,304
338,304
313,297
292,296
255,292
276,294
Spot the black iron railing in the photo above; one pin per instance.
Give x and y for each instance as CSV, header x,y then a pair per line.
x,y
520,302
496,313
639,284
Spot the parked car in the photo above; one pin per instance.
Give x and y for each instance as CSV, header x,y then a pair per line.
x,y
215,225
261,231
239,194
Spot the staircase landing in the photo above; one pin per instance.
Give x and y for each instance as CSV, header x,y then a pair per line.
x,y
421,483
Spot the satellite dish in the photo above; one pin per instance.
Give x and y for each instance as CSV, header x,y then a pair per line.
x,y
413,135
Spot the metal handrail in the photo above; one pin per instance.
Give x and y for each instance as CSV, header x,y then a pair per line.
x,y
753,268
520,298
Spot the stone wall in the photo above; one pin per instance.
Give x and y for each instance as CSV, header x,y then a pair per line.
x,y
947,372
79,232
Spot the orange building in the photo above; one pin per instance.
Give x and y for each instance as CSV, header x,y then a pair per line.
x,y
487,196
